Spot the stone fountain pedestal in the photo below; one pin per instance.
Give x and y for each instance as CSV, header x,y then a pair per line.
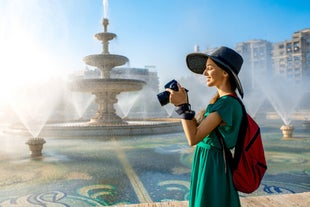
x,y
35,146
287,131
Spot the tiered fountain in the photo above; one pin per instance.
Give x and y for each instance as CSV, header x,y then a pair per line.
x,y
105,122
106,88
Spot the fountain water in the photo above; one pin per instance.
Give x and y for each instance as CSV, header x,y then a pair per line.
x,y
81,102
169,109
33,106
144,104
126,102
253,101
284,97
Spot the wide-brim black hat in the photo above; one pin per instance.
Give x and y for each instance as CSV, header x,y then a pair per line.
x,y
228,59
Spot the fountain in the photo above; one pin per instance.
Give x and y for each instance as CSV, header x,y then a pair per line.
x,y
106,88
287,131
33,107
36,146
106,122
285,99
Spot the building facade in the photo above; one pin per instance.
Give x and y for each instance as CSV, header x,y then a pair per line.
x,y
291,58
257,56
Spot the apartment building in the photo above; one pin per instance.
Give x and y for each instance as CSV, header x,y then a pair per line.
x,y
291,58
257,55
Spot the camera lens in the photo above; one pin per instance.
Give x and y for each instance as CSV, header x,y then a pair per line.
x,y
163,98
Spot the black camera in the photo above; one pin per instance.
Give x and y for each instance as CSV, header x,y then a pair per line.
x,y
163,97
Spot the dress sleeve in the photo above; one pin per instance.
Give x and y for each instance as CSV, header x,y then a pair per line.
x,y
225,108
230,112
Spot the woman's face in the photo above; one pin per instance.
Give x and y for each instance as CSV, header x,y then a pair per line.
x,y
214,74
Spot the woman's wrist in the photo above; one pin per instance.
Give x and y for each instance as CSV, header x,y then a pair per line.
x,y
185,111
181,109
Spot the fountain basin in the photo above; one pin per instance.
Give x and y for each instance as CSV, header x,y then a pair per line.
x,y
106,85
88,129
105,60
105,36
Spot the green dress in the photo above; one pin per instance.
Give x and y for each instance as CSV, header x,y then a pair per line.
x,y
210,185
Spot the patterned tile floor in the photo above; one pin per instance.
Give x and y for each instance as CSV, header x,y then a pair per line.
x,y
114,171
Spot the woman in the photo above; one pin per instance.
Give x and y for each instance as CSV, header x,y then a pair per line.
x,y
211,184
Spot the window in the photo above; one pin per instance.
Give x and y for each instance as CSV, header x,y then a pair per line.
x,y
296,47
289,47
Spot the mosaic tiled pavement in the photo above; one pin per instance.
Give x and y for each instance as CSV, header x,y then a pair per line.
x,y
114,171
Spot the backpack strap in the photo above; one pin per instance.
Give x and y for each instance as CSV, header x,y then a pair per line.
x,y
225,150
228,159
242,131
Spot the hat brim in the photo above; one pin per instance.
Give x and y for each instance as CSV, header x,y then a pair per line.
x,y
196,62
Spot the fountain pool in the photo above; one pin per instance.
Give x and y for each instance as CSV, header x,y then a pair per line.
x,y
114,170
87,129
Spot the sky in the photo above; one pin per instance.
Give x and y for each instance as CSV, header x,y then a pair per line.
x,y
46,38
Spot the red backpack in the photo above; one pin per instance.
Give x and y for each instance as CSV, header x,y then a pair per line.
x,y
248,165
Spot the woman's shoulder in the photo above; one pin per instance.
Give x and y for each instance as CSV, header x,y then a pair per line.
x,y
227,99
226,102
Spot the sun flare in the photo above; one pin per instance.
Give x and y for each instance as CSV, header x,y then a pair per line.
x,y
27,54
32,64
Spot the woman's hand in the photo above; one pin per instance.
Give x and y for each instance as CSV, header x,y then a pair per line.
x,y
179,97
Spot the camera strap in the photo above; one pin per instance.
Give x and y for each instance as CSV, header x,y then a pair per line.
x,y
181,109
185,111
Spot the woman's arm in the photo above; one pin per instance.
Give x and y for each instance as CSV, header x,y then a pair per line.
x,y
194,133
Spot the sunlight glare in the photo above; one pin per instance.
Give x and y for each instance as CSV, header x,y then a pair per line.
x,y
26,44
